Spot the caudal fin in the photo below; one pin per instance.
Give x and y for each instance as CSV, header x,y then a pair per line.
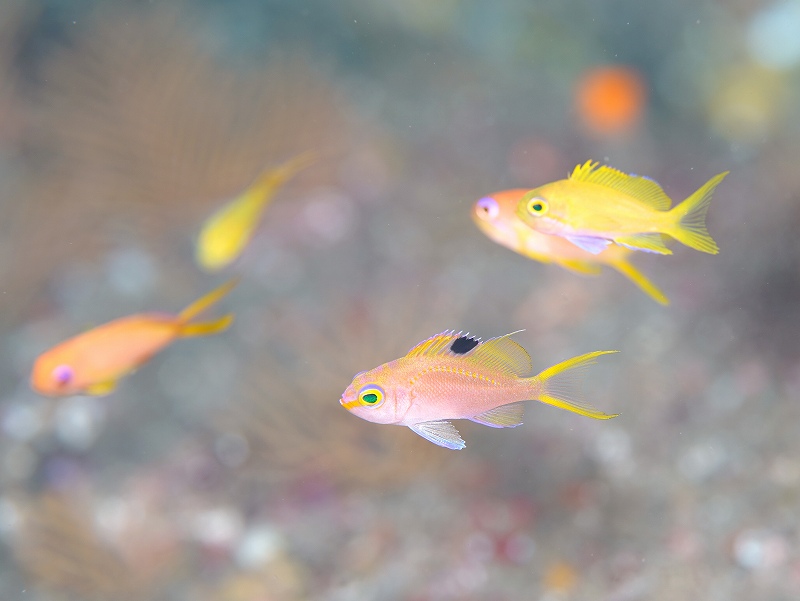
x,y
205,302
638,278
560,385
689,223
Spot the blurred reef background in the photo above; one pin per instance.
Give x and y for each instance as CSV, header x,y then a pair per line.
x,y
225,469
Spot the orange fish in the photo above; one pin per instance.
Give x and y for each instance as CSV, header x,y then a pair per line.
x,y
92,362
496,216
454,376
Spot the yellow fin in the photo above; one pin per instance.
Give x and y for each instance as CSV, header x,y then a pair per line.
x,y
101,388
204,302
206,327
578,266
559,385
504,355
690,216
641,188
638,278
504,416
437,345
651,242
501,353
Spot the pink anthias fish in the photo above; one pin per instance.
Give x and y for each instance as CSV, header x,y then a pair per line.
x,y
455,376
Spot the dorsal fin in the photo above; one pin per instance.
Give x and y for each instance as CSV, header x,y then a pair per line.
x,y
641,188
448,342
501,353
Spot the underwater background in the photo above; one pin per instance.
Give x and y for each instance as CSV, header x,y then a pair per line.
x,y
225,468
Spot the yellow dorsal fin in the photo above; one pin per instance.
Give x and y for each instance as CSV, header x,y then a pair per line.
x,y
501,353
204,302
438,345
641,188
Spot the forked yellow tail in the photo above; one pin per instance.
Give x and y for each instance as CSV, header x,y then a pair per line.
x,y
202,304
560,385
689,218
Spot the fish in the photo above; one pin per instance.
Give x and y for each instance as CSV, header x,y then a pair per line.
x,y
93,362
457,376
226,233
597,205
496,216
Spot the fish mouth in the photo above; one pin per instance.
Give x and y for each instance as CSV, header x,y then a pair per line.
x,y
349,404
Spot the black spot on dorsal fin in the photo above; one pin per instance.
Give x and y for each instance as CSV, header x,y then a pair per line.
x,y
464,344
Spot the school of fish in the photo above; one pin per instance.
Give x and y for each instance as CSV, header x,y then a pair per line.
x,y
597,216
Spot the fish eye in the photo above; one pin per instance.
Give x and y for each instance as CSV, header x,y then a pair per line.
x,y
371,395
63,374
487,208
537,206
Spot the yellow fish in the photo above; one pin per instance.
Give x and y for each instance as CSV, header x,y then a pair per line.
x,y
496,216
455,376
92,362
226,233
599,205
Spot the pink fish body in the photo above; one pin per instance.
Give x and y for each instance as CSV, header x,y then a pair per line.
x,y
450,376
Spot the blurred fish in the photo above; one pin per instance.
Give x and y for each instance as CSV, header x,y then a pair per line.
x,y
609,100
92,362
599,205
225,234
496,216
455,376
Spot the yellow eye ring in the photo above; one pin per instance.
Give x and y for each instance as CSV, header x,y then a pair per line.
x,y
537,206
371,395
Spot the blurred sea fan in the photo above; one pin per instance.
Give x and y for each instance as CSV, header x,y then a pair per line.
x,y
292,418
139,131
60,550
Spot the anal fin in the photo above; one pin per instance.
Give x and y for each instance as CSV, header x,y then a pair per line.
x,y
204,328
505,416
101,388
440,432
648,242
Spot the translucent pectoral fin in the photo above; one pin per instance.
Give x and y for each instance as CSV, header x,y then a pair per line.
x,y
507,416
440,432
589,244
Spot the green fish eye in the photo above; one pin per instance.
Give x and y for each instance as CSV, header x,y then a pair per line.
x,y
371,396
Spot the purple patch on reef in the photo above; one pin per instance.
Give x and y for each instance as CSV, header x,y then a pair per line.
x,y
63,374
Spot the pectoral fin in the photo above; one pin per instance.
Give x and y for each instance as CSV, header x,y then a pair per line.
x,y
440,432
507,416
101,388
589,244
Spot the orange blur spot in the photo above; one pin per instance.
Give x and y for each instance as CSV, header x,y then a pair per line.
x,y
610,100
560,577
